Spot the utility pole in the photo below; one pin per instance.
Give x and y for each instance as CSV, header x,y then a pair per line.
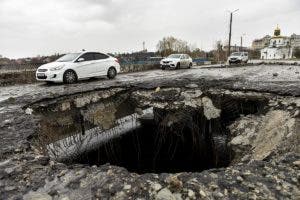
x,y
230,28
230,31
241,43
144,46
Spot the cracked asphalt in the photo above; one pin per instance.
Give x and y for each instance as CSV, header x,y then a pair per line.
x,y
281,79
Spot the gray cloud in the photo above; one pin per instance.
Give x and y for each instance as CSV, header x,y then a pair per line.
x,y
31,27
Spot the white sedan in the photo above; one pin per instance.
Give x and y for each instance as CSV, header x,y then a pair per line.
x,y
176,61
75,66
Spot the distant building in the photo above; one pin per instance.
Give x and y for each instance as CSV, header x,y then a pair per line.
x,y
259,44
279,47
295,41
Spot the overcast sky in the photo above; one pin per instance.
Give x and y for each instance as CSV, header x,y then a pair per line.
x,y
43,27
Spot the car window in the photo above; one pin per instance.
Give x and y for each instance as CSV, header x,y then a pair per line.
x,y
100,56
174,56
87,56
186,56
236,54
68,57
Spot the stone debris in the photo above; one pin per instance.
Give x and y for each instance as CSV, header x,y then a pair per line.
x,y
28,111
210,111
157,89
37,196
165,194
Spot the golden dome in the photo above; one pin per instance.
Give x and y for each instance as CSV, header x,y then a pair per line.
x,y
277,31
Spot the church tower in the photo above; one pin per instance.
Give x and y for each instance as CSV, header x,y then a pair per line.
x,y
277,32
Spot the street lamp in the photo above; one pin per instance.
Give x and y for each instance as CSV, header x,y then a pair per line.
x,y
230,29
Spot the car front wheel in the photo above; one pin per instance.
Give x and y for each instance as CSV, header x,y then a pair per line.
x,y
111,73
178,65
70,77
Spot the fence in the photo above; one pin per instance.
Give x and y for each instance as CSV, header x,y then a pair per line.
x,y
18,68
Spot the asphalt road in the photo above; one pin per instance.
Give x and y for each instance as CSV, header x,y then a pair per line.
x,y
265,78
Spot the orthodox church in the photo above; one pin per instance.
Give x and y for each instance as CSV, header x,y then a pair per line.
x,y
279,47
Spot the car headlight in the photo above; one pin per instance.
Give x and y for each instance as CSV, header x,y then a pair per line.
x,y
57,68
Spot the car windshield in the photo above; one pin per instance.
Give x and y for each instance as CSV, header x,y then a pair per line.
x,y
68,58
236,54
174,56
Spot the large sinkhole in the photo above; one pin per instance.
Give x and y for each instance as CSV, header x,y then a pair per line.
x,y
143,140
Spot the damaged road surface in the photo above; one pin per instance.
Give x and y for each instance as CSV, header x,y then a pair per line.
x,y
211,133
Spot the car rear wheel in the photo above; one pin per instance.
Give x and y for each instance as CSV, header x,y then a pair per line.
x,y
111,73
190,65
70,77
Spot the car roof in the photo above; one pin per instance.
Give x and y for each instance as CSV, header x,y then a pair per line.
x,y
89,52
178,54
83,52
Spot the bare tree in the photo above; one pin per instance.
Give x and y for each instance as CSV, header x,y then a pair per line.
x,y
218,53
169,45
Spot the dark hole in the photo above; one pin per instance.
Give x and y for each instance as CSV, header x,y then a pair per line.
x,y
167,141
185,145
232,108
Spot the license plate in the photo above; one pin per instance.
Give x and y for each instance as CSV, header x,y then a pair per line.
x,y
41,75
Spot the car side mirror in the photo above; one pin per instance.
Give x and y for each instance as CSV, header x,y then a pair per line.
x,y
80,60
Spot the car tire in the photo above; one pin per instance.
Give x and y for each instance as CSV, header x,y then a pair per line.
x,y
111,73
190,65
70,77
177,65
163,67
